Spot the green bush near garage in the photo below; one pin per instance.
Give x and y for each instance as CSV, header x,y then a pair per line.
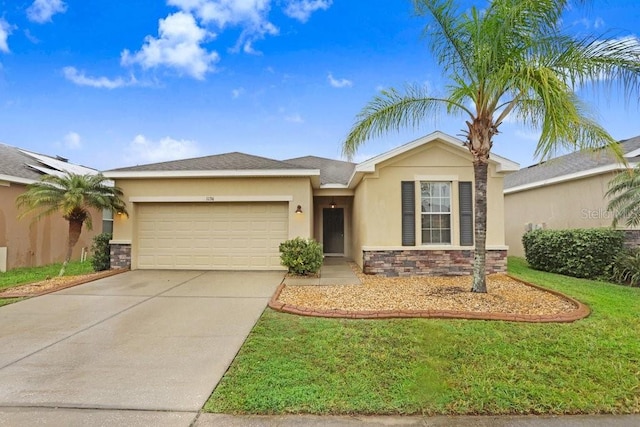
x,y
101,252
301,256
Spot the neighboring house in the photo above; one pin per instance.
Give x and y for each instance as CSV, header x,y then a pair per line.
x,y
407,211
564,192
24,243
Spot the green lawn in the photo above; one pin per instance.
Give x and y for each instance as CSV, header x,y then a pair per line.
x,y
20,276
294,364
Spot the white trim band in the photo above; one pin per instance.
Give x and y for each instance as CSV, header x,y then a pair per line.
x,y
214,173
431,248
208,199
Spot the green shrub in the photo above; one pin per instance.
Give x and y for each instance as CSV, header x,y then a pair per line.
x,y
301,256
626,268
100,249
585,253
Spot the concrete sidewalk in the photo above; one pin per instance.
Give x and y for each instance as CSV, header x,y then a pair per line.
x,y
98,417
210,420
334,271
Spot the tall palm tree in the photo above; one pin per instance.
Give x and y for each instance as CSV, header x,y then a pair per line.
x,y
73,196
624,197
510,58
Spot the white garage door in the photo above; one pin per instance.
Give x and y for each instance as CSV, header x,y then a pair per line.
x,y
211,236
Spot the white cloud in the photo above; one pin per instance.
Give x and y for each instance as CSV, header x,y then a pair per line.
x,y
79,78
41,11
236,93
72,141
598,23
178,46
339,83
142,150
302,9
5,31
251,15
294,118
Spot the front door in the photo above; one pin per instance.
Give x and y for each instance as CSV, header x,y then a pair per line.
x,y
333,230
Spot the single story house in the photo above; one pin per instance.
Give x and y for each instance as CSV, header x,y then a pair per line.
x,y
564,192
407,211
24,243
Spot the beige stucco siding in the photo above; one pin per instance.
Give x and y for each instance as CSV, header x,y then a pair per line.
x,y
378,197
571,204
293,191
358,223
43,242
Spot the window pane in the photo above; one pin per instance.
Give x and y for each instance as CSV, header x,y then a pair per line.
x,y
436,212
107,226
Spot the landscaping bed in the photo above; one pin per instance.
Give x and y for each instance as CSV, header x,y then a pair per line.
x,y
54,284
507,299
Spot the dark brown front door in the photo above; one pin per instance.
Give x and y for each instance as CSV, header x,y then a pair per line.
x,y
333,230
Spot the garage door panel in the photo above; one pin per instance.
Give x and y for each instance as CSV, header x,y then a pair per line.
x,y
211,236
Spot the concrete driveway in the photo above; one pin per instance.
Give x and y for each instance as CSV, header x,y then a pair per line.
x,y
141,340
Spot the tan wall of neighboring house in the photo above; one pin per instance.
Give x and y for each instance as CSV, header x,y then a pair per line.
x,y
43,242
239,189
572,204
377,204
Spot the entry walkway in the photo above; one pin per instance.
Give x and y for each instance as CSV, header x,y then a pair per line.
x,y
334,271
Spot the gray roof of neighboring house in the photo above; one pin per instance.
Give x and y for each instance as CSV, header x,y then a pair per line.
x,y
25,165
331,171
228,161
576,162
13,162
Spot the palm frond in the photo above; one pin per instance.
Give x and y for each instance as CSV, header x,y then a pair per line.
x,y
624,197
67,193
393,111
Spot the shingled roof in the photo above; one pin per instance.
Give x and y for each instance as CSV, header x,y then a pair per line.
x,y
570,164
227,161
331,171
25,166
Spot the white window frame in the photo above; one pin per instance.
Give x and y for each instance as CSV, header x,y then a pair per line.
x,y
449,213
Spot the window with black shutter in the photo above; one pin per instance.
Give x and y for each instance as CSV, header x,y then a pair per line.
x,y
408,213
465,193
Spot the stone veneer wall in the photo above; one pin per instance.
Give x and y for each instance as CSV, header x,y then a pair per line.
x,y
120,255
455,262
631,238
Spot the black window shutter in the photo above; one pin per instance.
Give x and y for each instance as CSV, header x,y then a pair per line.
x,y
408,213
465,193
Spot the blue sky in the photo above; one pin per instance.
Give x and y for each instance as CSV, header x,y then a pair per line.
x,y
117,83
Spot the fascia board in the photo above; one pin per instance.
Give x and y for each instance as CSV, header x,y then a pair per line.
x,y
568,177
214,174
16,179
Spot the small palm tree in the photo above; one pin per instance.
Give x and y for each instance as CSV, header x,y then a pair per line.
x,y
624,194
510,58
73,196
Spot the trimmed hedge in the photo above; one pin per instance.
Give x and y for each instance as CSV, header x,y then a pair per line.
x,y
585,253
301,256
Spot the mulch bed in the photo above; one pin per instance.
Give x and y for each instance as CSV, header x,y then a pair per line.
x,y
507,298
54,284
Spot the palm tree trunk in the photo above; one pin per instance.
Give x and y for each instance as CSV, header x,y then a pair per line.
x,y
480,167
75,228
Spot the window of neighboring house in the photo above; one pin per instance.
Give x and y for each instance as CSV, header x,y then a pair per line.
x,y
435,200
107,221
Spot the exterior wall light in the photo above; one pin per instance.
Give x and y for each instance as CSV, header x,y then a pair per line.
x,y
299,209
333,204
